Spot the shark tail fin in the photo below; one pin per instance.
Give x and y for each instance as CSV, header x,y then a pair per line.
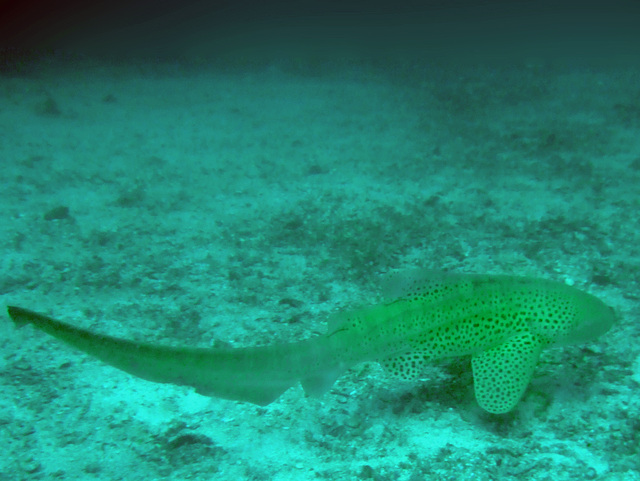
x,y
258,375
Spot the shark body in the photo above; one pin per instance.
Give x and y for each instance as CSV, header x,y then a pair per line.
x,y
502,322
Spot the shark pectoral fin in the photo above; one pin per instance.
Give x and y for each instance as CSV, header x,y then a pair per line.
x,y
408,366
502,374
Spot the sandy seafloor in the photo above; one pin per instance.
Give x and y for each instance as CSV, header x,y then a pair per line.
x,y
246,203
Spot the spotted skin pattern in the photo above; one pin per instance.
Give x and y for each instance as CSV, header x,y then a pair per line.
x,y
502,322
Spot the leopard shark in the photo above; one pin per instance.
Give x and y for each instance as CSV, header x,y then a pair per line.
x,y
502,322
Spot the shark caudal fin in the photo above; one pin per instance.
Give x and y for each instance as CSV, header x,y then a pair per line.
x,y
243,374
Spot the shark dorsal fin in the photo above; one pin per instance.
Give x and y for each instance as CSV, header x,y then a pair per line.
x,y
424,284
